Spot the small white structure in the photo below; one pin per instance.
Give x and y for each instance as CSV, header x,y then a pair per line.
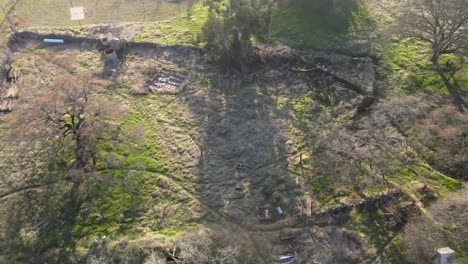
x,y
77,13
445,256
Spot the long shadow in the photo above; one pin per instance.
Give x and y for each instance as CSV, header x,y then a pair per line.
x,y
244,161
36,222
453,89
44,225
247,132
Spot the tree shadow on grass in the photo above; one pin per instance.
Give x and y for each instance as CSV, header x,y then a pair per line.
x,y
44,225
244,161
453,87
37,220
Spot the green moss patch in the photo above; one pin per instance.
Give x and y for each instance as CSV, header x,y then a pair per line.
x,y
422,172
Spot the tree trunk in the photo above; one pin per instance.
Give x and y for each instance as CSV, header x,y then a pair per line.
x,y
79,158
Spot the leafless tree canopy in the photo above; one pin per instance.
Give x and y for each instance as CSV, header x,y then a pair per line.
x,y
438,22
70,118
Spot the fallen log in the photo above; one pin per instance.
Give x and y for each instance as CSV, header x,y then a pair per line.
x,y
358,89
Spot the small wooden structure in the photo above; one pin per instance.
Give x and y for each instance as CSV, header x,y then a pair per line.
x,y
167,80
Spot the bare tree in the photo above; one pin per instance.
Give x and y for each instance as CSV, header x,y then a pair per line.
x,y
74,117
438,22
447,128
442,24
67,122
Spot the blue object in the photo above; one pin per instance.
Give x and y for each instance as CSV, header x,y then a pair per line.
x,y
279,211
58,41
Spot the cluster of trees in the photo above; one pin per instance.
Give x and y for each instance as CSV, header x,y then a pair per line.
x,y
231,26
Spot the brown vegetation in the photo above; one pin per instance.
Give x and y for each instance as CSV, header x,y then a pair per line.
x,y
444,132
444,225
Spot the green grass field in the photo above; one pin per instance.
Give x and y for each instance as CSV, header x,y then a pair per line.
x,y
57,12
